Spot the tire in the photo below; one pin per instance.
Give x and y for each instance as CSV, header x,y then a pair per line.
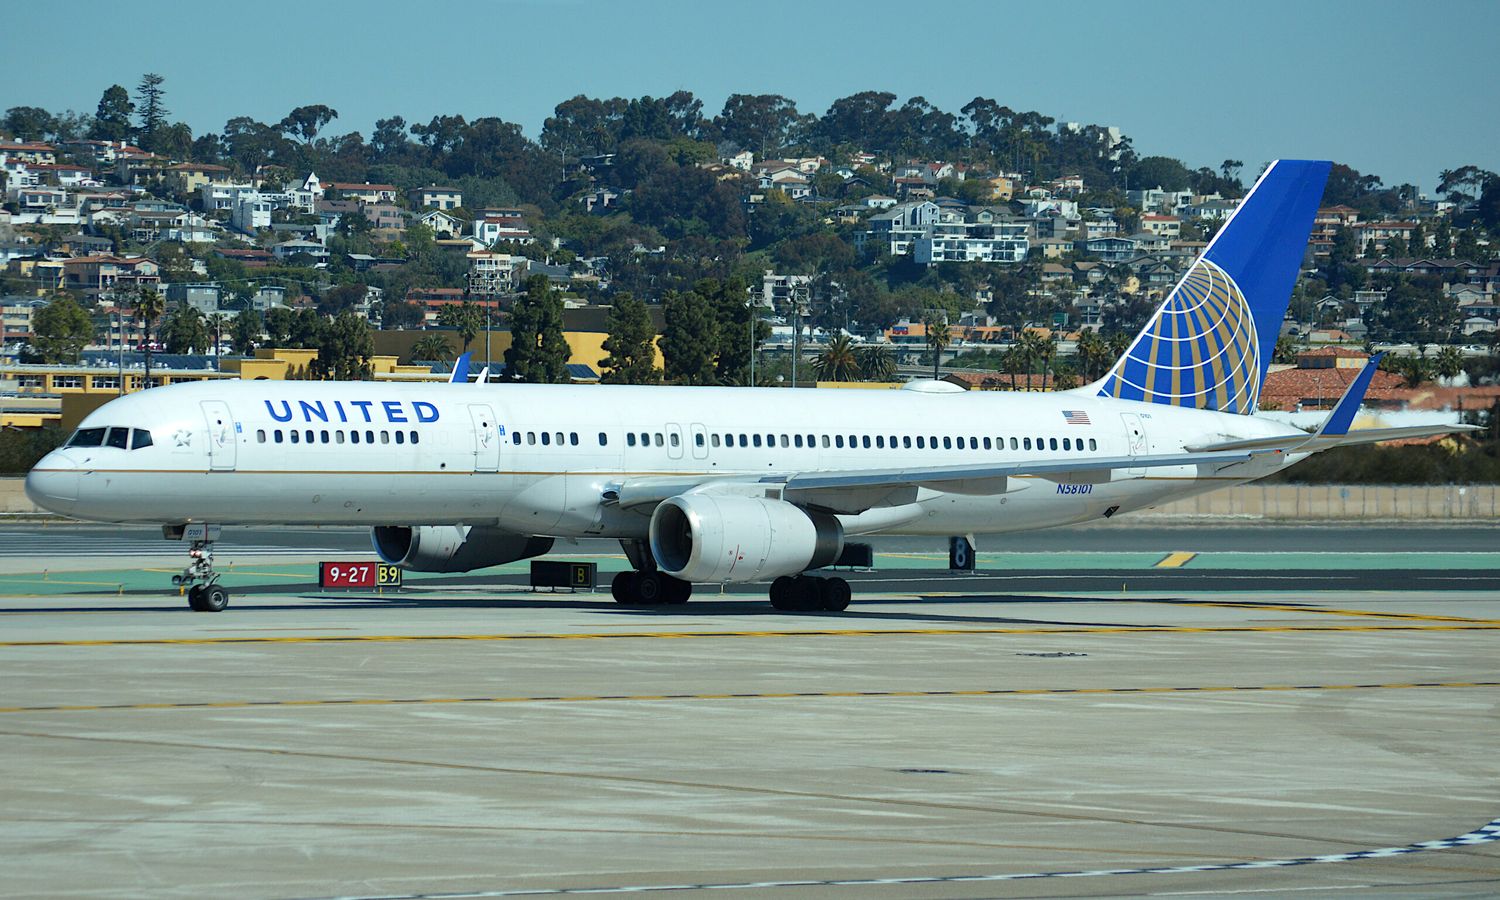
x,y
195,598
781,591
806,593
651,588
215,598
678,591
835,594
623,587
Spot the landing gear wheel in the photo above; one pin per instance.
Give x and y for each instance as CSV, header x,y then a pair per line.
x,y
835,594
207,598
623,587
195,598
678,591
805,594
781,590
651,588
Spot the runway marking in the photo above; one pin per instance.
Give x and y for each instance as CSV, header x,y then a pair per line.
x,y
1484,834
691,635
1175,560
779,695
1323,610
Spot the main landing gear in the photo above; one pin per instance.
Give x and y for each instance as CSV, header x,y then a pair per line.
x,y
805,593
647,586
204,592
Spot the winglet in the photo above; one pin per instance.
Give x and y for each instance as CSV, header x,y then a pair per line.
x,y
484,376
460,369
1342,417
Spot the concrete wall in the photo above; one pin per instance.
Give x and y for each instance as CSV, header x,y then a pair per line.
x,y
1256,501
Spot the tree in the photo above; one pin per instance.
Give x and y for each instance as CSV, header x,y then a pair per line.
x,y
631,344
153,112
760,122
1449,363
60,330
279,322
938,338
838,361
148,307
112,119
738,331
1285,351
184,331
466,318
431,347
876,362
689,341
538,351
1093,357
306,121
345,345
29,123
246,331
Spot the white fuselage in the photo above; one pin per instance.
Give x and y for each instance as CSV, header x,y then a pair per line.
x,y
539,459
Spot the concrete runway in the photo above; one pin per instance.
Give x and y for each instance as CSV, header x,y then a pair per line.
x,y
947,737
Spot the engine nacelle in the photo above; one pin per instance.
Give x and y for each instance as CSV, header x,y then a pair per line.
x,y
703,537
453,548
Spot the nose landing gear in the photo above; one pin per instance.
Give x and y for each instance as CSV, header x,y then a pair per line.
x,y
204,592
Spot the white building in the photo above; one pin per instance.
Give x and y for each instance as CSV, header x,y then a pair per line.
x,y
899,226
492,274
251,213
778,291
951,239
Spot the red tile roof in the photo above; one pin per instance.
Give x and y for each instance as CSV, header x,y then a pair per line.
x,y
1290,388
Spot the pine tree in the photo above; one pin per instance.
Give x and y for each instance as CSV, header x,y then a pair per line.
x,y
631,344
538,352
152,111
688,343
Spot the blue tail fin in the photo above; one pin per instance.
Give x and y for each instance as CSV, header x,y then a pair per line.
x,y
1209,344
460,369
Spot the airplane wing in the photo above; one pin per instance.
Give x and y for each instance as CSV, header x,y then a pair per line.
x,y
978,478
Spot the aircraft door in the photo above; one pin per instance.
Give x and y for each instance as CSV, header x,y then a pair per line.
x,y
1135,438
674,441
699,441
221,435
486,438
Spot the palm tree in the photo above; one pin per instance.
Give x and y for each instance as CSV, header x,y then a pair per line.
x,y
838,361
148,307
432,347
1450,362
938,338
1093,356
1029,346
876,362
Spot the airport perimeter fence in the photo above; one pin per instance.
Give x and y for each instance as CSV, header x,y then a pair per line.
x,y
1474,502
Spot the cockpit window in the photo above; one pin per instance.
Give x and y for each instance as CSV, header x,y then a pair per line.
x,y
118,438
87,437
141,438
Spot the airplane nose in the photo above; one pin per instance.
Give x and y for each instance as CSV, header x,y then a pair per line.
x,y
53,483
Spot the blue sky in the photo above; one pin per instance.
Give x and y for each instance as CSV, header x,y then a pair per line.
x,y
1402,90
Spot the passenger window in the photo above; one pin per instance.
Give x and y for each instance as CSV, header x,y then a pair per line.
x,y
260,436
810,441
414,437
87,437
1054,443
353,437
309,435
385,437
743,441
974,443
277,435
1067,444
338,437
797,441
515,438
932,441
947,443
838,441
784,441
295,435
659,441
676,441
825,442
558,439
770,440
603,439
546,439
119,438
630,438
369,436
1027,443
645,439
573,438
1092,445
756,439
400,437
1013,443
325,437
921,443
714,439
697,440
865,441
986,443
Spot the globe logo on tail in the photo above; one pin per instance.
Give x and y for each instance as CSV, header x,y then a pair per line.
x,y
1200,350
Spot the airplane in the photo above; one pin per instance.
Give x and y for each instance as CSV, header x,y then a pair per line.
x,y
715,485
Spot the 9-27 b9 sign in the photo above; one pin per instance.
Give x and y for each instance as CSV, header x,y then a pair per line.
x,y
358,575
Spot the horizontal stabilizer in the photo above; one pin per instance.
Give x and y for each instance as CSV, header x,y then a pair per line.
x,y
1312,443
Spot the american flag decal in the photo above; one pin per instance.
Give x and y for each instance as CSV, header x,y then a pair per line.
x,y
1076,416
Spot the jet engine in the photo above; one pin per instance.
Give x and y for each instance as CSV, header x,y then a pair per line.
x,y
453,548
703,537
